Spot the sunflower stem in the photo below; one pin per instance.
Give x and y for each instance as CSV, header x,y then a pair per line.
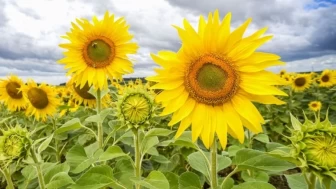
x,y
8,178
38,169
99,123
228,176
312,181
213,171
137,155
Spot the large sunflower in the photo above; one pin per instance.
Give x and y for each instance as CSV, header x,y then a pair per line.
x,y
42,99
301,82
210,82
98,50
327,78
10,94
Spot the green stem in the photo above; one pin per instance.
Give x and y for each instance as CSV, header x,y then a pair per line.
x,y
99,123
58,158
229,176
137,155
312,181
213,161
38,169
8,178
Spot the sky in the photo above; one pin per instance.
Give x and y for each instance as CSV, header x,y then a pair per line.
x,y
304,30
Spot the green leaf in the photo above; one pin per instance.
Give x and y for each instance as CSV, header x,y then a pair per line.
x,y
59,180
262,138
111,153
253,159
160,159
79,160
99,117
96,178
29,173
251,175
64,167
155,180
123,171
189,180
148,142
198,162
296,181
44,145
229,184
232,150
295,123
254,185
69,126
173,180
158,132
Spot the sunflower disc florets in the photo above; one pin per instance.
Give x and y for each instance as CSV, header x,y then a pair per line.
x,y
314,146
136,107
14,143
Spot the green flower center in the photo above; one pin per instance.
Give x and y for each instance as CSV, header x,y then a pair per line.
x,y
136,108
13,146
99,52
38,98
12,89
321,150
301,81
84,92
325,78
211,77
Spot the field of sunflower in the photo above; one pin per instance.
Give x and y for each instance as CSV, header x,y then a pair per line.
x,y
211,117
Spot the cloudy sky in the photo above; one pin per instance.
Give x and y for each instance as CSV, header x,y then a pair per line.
x,y
304,30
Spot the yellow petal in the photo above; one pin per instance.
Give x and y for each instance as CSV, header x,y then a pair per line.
x,y
185,123
233,121
169,85
221,127
197,121
168,95
183,112
176,104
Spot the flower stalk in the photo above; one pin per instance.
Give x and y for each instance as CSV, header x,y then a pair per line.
x,y
38,169
99,123
137,155
213,171
8,178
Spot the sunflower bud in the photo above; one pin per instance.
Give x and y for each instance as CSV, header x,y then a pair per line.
x,y
314,145
15,143
136,107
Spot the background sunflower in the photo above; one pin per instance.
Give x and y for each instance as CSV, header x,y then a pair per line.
x,y
10,93
301,82
327,78
315,105
98,50
42,99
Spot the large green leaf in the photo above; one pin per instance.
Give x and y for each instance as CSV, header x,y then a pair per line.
x,y
155,180
147,143
252,175
59,180
254,185
44,145
296,181
257,160
173,180
123,171
95,178
158,132
111,153
69,126
189,180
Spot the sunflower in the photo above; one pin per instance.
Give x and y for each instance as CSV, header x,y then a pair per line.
x,y
327,78
98,50
315,105
10,94
288,78
210,82
42,99
82,96
301,82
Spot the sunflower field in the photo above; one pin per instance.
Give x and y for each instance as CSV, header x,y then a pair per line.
x,y
213,116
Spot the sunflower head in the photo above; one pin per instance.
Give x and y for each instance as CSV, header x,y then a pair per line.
x,y
327,78
301,82
215,75
98,50
315,105
42,99
11,94
314,145
15,143
136,107
282,72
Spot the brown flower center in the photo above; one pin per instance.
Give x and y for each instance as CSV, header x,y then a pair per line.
x,y
12,89
301,81
84,92
38,98
211,80
325,78
99,52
